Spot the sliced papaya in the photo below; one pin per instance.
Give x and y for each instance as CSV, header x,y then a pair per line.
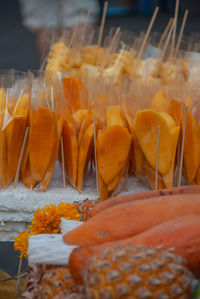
x,y
2,105
85,147
79,116
86,122
146,129
50,169
168,177
102,188
114,183
191,154
112,151
70,146
176,109
41,142
15,134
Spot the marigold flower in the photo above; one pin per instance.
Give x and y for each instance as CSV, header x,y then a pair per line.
x,y
46,221
21,243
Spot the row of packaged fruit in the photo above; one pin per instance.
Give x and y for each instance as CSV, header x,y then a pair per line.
x,y
140,130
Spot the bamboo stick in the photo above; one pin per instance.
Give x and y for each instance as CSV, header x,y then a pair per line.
x,y
181,32
141,52
102,23
157,153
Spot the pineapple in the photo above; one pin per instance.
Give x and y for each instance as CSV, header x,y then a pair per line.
x,y
57,282
140,272
50,281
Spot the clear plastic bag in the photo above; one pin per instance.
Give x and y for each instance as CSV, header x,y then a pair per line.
x,y
14,102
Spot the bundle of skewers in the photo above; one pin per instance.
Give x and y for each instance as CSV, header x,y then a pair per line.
x,y
120,103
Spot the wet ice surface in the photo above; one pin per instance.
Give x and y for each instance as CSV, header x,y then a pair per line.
x,y
17,205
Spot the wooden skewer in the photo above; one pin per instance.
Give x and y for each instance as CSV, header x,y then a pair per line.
x,y
165,32
111,47
44,63
18,284
182,149
95,155
102,23
181,32
175,25
166,43
120,55
52,100
126,180
86,23
20,158
75,29
157,153
140,54
63,162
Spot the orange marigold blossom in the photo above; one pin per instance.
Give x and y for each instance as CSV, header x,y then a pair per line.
x,y
46,221
21,243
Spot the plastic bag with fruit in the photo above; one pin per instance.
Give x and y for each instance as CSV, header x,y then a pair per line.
x,y
14,102
155,135
45,128
77,131
112,139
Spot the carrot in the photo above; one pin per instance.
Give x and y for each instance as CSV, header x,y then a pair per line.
x,y
101,206
132,218
181,233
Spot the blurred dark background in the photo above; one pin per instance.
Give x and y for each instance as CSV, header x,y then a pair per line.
x,y
17,44
18,49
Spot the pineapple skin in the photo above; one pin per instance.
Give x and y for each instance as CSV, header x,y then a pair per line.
x,y
137,273
57,282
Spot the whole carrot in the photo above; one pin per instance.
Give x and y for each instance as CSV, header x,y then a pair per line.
x,y
181,233
129,219
101,206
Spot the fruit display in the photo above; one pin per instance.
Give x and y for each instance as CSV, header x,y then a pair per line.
x,y
122,106
115,106
158,258
69,120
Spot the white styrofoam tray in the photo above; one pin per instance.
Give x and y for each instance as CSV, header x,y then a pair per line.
x,y
17,205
